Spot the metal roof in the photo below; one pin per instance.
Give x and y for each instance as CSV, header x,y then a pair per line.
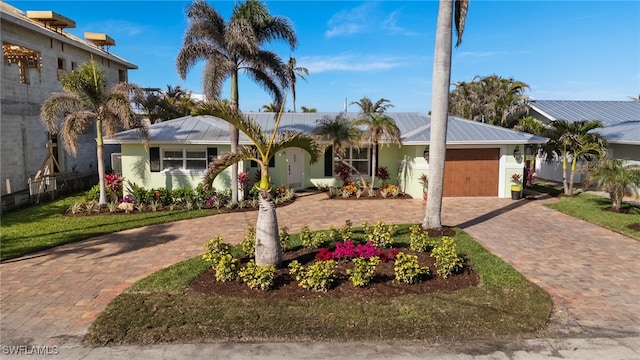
x,y
624,133
414,127
609,112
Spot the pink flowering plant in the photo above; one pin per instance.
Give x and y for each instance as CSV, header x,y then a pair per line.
x,y
348,250
113,184
243,179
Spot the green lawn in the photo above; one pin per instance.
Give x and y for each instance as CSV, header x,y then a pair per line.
x,y
590,208
157,309
45,226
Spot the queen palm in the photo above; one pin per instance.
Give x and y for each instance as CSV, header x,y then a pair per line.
x,y
440,104
268,251
234,47
84,102
378,126
573,140
293,72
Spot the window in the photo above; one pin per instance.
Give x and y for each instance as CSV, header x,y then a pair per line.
x,y
358,158
122,75
62,68
74,65
23,57
184,159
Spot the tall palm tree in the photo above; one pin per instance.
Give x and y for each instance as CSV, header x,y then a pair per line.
x,y
340,134
614,177
234,47
378,126
268,251
573,140
293,72
271,107
84,102
440,104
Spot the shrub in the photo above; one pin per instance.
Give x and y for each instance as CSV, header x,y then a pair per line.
x,y
248,244
348,190
285,239
418,239
383,174
258,276
349,250
161,195
226,268
407,269
306,237
363,271
113,186
182,195
380,234
318,276
138,193
93,194
76,207
447,259
346,232
215,249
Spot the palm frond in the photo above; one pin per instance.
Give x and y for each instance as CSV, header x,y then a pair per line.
x,y
73,125
306,142
461,8
56,106
225,160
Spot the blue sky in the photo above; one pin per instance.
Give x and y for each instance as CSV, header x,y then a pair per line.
x,y
564,50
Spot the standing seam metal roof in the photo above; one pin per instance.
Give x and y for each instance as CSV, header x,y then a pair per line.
x,y
609,112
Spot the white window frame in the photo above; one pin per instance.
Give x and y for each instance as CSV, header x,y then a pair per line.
x,y
348,157
183,169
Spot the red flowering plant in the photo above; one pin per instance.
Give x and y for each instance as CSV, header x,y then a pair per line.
x,y
243,179
343,173
348,250
113,184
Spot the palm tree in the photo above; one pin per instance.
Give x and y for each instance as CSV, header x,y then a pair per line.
x,y
234,47
491,99
612,176
293,72
575,141
308,110
368,107
378,126
634,98
271,107
268,251
85,101
340,134
440,105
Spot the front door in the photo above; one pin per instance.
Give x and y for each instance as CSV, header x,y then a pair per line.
x,y
295,168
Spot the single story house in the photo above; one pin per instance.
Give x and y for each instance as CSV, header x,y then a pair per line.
x,y
621,120
480,161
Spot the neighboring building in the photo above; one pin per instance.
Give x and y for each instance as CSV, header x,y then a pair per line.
x,y
621,120
37,53
481,158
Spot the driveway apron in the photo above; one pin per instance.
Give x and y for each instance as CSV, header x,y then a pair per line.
x,y
51,298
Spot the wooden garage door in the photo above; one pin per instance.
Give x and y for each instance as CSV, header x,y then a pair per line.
x,y
471,172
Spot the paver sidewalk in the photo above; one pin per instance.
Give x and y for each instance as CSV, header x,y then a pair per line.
x,y
50,298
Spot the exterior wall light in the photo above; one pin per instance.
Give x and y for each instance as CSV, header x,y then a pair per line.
x,y
425,154
516,153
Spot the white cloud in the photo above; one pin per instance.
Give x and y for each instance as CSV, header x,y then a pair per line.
x,y
351,62
351,21
391,24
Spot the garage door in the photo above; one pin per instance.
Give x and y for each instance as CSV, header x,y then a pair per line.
x,y
471,172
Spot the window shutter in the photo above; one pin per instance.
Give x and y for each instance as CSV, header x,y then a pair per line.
x,y
154,159
328,161
272,162
212,153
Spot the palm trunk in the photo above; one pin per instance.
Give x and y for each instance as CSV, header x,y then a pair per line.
x,y
234,136
374,165
574,160
268,250
439,115
564,172
100,155
616,200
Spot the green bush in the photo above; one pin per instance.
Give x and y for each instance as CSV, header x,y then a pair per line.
x,y
446,256
161,195
226,268
258,276
306,237
407,269
182,195
363,271
285,239
318,276
381,234
93,194
215,249
346,232
248,244
419,240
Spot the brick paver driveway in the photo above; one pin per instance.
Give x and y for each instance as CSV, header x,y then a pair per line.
x,y
593,275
